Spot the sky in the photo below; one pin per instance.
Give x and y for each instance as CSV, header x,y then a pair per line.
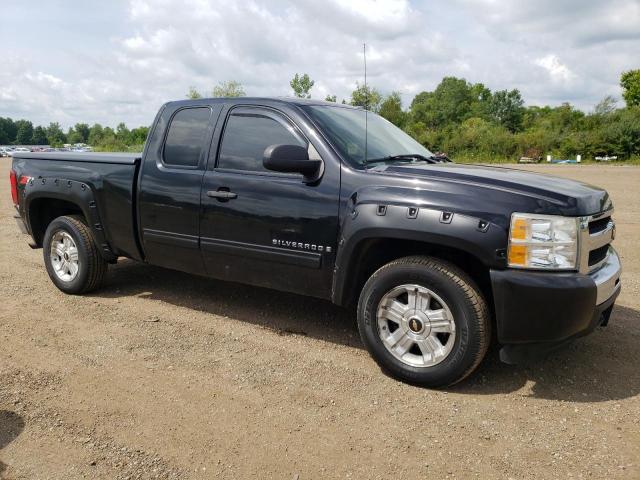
x,y
109,61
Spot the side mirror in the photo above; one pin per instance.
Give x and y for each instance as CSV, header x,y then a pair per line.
x,y
292,159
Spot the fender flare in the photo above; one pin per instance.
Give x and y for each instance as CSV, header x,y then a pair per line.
x,y
72,191
477,237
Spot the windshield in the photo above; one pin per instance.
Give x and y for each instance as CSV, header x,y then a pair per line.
x,y
345,128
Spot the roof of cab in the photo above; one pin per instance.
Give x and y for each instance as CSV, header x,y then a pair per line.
x,y
269,100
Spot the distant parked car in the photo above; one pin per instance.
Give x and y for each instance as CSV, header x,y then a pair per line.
x,y
22,149
19,149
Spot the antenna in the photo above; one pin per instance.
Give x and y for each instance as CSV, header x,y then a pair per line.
x,y
366,104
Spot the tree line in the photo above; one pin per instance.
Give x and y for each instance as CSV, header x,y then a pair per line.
x,y
470,122
22,132
466,120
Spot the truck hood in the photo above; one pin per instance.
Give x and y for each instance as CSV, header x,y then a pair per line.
x,y
570,197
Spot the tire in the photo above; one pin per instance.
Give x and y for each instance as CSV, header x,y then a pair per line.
x,y
442,333
68,233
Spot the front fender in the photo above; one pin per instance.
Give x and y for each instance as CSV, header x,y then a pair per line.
x,y
476,236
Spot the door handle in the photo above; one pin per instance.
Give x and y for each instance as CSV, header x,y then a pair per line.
x,y
222,194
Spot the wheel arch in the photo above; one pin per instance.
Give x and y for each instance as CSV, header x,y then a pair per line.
x,y
358,261
42,210
45,202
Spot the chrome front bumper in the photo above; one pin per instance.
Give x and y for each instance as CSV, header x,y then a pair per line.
x,y
607,277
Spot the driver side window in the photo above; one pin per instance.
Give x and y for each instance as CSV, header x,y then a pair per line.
x,y
248,132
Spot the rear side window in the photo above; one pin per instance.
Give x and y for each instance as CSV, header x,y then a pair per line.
x,y
247,135
186,136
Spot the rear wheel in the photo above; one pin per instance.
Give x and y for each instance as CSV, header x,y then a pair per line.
x,y
71,256
424,321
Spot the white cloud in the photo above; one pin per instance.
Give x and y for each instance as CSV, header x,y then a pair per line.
x,y
378,11
558,71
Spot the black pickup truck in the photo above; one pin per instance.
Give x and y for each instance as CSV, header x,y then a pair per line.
x,y
331,201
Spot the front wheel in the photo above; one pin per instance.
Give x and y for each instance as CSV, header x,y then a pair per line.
x,y
71,256
424,321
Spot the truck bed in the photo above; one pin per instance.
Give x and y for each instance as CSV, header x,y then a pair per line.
x,y
117,158
112,181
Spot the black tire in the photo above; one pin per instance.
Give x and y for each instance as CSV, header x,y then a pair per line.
x,y
91,266
464,300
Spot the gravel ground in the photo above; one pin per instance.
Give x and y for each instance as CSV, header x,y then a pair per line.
x,y
166,375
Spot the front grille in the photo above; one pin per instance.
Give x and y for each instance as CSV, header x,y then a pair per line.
x,y
599,225
596,235
598,255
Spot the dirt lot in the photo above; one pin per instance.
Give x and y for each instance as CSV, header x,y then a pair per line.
x,y
165,375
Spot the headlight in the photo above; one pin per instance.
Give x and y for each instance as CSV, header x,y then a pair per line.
x,y
543,242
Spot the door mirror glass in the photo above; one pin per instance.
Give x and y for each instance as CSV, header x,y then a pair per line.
x,y
292,159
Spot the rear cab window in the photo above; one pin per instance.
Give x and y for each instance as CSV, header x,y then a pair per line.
x,y
185,137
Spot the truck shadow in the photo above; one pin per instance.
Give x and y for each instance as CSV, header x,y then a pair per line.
x,y
597,368
11,425
284,313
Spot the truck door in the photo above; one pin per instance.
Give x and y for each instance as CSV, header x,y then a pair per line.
x,y
169,187
261,227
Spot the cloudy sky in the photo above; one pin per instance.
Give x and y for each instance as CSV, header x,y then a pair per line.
x,y
118,60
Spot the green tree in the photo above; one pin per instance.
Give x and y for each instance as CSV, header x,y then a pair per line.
x,y
55,135
95,134
82,129
480,101
123,135
330,98
605,106
451,102
139,135
39,136
193,94
507,109
391,109
367,97
8,126
25,132
630,83
479,140
565,118
622,133
4,136
301,85
230,88
73,137
107,132
114,141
